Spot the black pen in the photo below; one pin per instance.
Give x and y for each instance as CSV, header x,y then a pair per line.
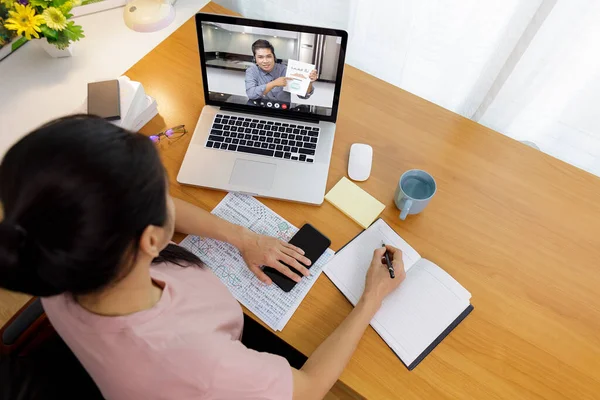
x,y
389,264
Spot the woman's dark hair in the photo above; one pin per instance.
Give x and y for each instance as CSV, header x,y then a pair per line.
x,y
263,44
77,194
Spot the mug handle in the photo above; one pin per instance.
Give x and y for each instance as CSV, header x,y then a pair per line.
x,y
405,209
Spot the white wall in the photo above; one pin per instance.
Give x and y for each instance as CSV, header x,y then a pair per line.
x,y
241,43
552,96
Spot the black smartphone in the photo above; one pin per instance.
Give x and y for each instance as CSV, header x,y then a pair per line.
x,y
314,244
104,99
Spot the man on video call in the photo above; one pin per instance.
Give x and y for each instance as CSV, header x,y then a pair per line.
x,y
266,79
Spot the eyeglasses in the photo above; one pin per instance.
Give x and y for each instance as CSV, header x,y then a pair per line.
x,y
171,134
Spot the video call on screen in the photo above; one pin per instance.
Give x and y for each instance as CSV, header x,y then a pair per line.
x,y
299,77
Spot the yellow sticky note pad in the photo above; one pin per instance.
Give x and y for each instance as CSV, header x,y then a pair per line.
x,y
355,202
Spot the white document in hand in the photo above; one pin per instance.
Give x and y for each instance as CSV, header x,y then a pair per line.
x,y
299,71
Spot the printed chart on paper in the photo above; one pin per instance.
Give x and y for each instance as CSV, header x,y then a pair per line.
x,y
268,302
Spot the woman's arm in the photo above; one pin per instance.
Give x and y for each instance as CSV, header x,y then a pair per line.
x,y
327,363
193,220
257,250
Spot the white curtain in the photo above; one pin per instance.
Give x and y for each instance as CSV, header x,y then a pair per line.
x,y
526,68
552,96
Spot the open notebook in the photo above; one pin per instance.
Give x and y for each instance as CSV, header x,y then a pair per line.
x,y
421,312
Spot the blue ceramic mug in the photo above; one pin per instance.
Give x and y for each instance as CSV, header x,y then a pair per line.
x,y
414,191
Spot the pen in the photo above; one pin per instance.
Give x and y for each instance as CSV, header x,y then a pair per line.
x,y
389,264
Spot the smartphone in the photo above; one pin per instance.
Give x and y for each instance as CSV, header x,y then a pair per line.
x,y
314,244
104,99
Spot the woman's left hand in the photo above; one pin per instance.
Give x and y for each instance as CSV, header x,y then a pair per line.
x,y
259,250
313,75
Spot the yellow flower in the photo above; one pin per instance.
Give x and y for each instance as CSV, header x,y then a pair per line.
x,y
24,21
55,19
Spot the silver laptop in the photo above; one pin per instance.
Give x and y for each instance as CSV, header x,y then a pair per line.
x,y
272,92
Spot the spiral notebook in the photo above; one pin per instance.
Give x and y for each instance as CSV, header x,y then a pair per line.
x,y
418,315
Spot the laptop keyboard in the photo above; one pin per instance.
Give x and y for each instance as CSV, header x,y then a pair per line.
x,y
267,138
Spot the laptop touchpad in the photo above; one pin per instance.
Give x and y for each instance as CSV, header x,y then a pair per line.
x,y
253,174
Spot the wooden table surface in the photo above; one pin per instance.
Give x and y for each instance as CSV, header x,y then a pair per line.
x,y
518,228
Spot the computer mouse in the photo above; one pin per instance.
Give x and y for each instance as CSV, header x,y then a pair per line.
x,y
360,161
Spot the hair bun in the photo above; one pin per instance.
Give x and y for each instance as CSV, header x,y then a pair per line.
x,y
14,234
19,263
12,241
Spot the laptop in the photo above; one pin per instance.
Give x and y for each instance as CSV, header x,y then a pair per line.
x,y
272,93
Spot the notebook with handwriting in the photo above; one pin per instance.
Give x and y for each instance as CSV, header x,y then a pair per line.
x,y
426,307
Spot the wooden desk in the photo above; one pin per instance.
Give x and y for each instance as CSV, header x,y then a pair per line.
x,y
519,229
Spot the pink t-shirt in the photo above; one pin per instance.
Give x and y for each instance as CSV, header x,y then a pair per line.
x,y
185,347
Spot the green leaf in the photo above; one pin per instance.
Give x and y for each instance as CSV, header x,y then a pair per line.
x,y
62,45
58,3
18,43
73,32
49,33
39,3
61,41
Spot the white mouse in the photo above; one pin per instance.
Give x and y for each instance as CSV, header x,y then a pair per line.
x,y
359,164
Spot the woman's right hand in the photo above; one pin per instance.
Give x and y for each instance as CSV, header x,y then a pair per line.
x,y
327,362
379,284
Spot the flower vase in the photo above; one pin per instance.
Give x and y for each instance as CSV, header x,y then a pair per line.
x,y
54,51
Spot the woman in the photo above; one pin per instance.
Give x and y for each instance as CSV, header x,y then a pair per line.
x,y
87,225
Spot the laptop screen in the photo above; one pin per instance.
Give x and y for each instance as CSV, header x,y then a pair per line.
x,y
283,70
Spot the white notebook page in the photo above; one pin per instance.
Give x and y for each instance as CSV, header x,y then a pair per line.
x,y
350,264
424,305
